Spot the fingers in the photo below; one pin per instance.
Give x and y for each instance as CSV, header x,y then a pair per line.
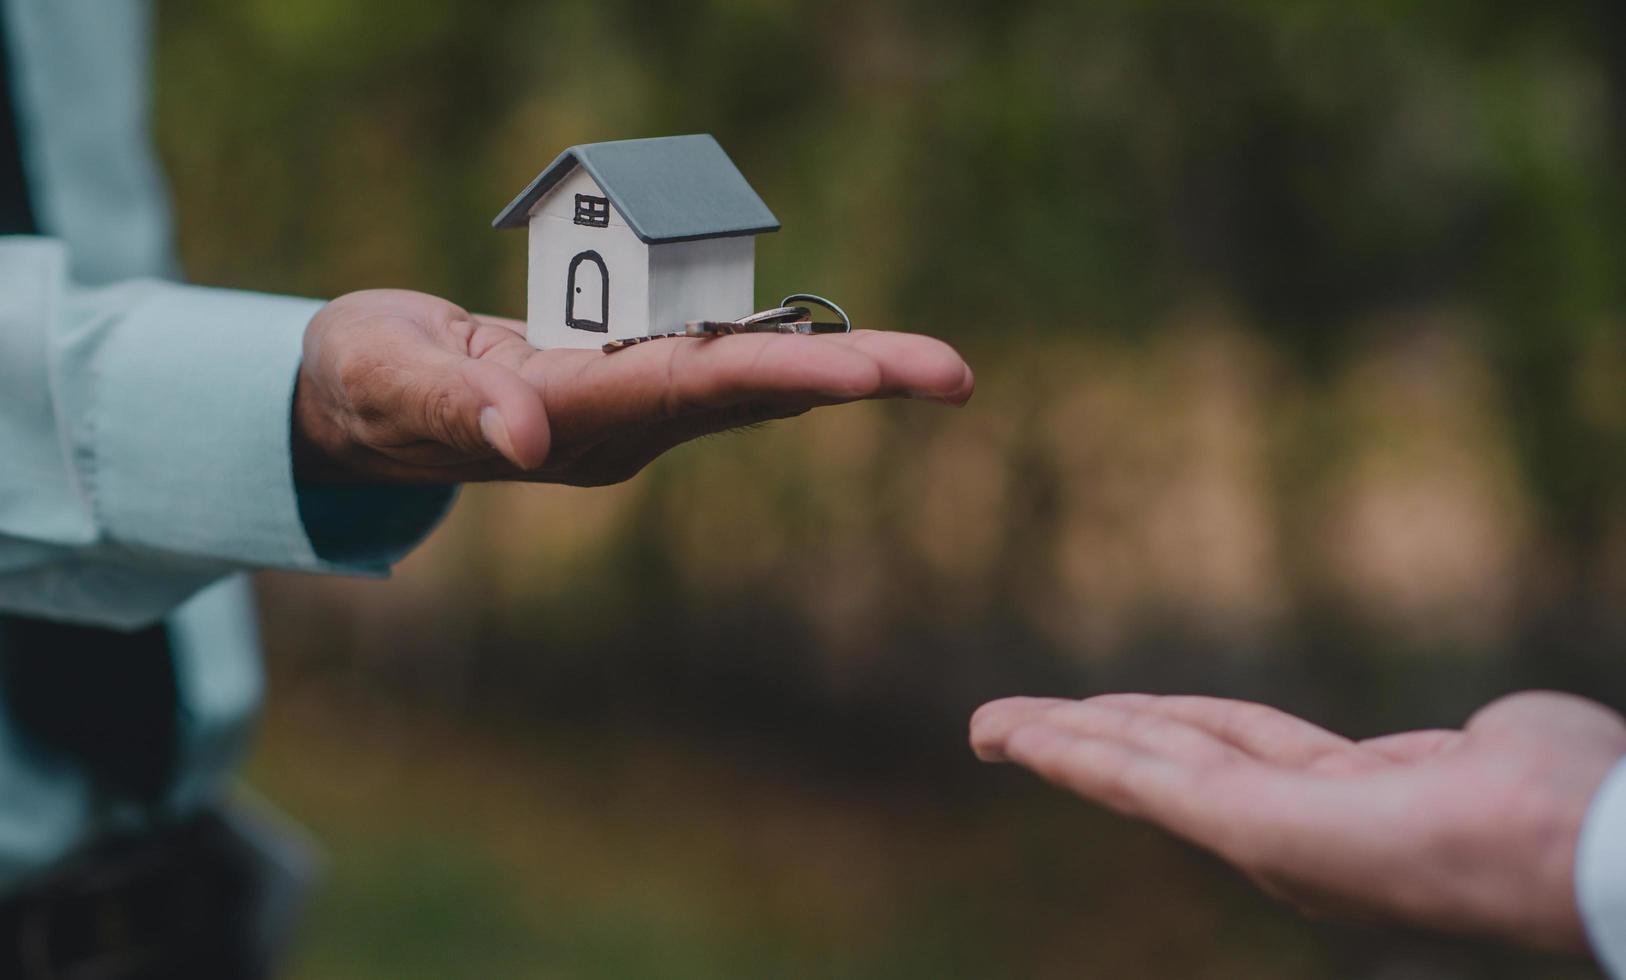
x,y
994,724
1359,841
1147,731
501,341
1261,731
508,412
590,394
1412,746
1170,772
923,367
418,404
1181,777
501,323
1213,808
1128,780
1154,769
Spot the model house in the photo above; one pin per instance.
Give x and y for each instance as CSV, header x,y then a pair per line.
x,y
636,237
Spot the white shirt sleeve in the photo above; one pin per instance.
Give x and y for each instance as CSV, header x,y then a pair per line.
x,y
146,430
1600,872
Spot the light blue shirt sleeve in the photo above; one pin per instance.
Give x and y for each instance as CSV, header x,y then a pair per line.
x,y
144,429
148,430
1600,872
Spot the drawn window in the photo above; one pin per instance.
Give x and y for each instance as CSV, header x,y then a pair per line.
x,y
592,211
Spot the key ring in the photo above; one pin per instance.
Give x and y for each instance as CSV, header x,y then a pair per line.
x,y
780,314
846,321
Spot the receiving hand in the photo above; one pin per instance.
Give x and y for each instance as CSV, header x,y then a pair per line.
x,y
403,387
1470,831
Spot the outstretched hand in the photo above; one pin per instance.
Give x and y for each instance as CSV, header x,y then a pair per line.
x,y
399,386
1471,831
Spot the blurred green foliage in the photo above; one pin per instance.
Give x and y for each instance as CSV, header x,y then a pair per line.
x,y
1300,340
997,170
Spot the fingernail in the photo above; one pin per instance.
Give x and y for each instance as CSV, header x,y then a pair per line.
x,y
495,430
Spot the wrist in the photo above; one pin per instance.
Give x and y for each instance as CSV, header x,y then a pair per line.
x,y
1555,821
322,450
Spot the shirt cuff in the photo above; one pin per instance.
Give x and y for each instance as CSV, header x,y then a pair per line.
x,y
185,448
1600,872
364,526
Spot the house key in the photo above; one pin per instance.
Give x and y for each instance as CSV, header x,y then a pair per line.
x,y
694,327
784,318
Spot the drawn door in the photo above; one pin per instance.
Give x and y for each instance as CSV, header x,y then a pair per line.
x,y
587,293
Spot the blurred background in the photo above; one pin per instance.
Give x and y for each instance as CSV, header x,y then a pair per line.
x,y
1300,332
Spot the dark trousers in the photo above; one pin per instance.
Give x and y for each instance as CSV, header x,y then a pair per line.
x,y
191,900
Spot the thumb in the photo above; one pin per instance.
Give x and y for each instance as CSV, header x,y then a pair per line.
x,y
478,406
511,417
387,389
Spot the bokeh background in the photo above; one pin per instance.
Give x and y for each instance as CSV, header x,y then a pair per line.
x,y
1302,377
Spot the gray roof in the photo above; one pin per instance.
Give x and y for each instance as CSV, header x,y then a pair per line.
x,y
669,189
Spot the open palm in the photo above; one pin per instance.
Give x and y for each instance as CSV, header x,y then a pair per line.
x,y
407,387
1470,830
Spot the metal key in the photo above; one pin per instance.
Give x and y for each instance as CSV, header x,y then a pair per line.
x,y
784,318
694,328
625,342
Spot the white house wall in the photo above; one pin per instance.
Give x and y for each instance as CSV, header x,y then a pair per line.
x,y
555,239
709,279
